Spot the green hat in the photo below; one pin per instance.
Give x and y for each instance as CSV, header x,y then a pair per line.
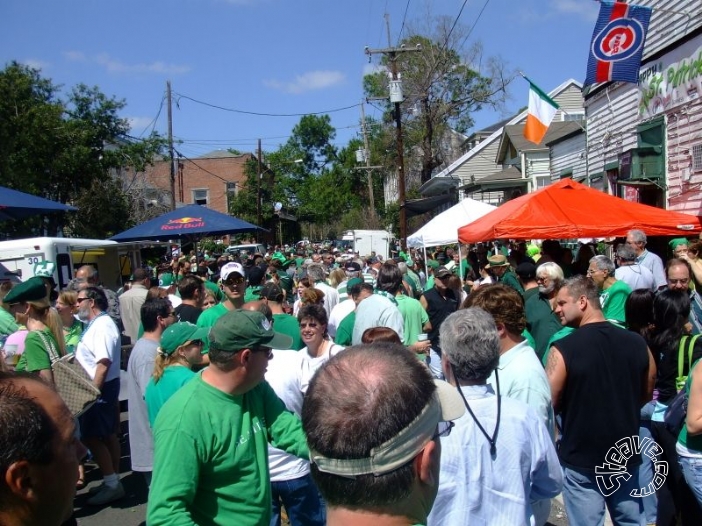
x,y
244,329
675,243
432,263
352,282
166,280
181,333
31,290
45,269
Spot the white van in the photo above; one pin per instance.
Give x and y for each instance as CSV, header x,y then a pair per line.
x,y
366,241
113,260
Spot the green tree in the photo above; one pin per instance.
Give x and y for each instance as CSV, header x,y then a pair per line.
x,y
64,148
443,85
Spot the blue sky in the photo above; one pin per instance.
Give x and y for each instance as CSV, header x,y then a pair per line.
x,y
270,56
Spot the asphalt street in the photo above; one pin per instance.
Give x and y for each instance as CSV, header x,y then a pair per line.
x,y
131,510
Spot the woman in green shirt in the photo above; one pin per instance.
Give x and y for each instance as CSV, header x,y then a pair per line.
x,y
689,446
180,351
66,306
29,303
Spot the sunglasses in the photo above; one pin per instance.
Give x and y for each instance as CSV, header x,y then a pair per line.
x,y
267,350
311,325
234,281
443,429
78,300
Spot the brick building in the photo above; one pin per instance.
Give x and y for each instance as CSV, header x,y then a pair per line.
x,y
206,180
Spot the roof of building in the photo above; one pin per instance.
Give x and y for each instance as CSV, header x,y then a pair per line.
x,y
515,134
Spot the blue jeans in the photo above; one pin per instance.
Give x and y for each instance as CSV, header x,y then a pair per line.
x,y
692,470
302,502
434,363
585,504
646,469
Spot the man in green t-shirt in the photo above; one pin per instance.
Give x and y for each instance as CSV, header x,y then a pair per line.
x,y
233,285
211,437
613,292
273,295
383,472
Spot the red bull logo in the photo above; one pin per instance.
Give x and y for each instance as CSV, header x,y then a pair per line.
x,y
183,223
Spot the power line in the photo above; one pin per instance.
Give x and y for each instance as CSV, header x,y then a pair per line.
x,y
152,124
246,140
402,27
454,24
260,114
475,23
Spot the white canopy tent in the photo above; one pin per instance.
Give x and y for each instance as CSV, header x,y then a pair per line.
x,y
443,229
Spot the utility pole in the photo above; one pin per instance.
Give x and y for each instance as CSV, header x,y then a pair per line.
x,y
259,175
396,98
170,145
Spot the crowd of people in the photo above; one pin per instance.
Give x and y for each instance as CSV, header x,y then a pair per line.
x,y
465,385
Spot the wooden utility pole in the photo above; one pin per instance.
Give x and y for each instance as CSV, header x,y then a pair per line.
x,y
170,145
392,53
259,176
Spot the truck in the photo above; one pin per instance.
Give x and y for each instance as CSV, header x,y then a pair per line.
x,y
365,242
113,260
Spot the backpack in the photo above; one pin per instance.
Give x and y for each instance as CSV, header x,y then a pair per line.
x,y
676,413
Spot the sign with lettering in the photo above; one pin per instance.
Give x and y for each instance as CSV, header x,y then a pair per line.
x,y
662,87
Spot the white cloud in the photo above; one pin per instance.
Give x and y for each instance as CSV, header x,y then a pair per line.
x,y
137,124
74,56
116,66
113,65
310,81
36,64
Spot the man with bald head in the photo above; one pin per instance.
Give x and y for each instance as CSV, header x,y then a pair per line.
x,y
387,471
39,460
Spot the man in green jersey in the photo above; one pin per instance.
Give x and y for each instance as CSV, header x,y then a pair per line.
x,y
211,437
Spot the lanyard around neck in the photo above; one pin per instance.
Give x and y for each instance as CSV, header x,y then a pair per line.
x,y
492,440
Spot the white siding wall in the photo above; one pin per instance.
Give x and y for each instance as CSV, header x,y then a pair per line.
x,y
480,165
684,131
537,166
569,154
611,124
665,27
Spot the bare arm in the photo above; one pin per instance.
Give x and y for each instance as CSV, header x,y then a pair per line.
x,y
47,375
649,380
694,407
101,372
557,374
424,303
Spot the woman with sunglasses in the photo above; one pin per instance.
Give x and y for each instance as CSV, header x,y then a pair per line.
x,y
319,347
180,351
66,306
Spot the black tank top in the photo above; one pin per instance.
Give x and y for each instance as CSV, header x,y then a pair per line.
x,y
439,308
601,399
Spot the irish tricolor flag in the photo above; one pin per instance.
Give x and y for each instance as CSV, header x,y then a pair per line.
x,y
542,109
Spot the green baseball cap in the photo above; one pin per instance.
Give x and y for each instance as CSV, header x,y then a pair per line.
x,y
31,290
166,280
181,333
243,329
432,263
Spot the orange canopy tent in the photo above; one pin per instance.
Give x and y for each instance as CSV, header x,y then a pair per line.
x,y
567,209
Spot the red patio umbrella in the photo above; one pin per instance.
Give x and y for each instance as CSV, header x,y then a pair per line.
x,y
567,209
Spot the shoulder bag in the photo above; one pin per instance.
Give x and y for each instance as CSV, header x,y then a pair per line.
x,y
72,382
